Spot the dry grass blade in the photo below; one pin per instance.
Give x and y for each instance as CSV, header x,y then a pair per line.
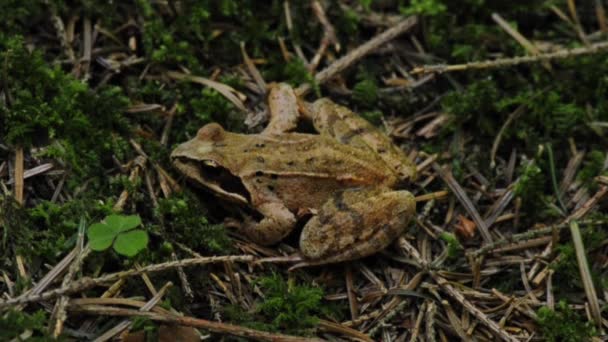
x,y
600,13
346,331
465,201
87,37
523,41
19,174
455,322
145,107
570,171
40,169
253,71
512,117
117,329
228,92
350,291
583,266
577,23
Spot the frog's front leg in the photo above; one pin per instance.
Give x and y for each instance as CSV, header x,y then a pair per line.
x,y
349,128
283,109
354,224
277,222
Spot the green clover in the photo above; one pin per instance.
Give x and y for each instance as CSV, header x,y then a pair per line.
x,y
120,231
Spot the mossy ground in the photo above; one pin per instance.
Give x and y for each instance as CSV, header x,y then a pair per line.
x,y
78,115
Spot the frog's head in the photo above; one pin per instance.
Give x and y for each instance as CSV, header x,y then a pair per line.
x,y
206,161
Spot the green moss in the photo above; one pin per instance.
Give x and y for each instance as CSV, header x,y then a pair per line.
x,y
475,105
423,7
56,226
183,220
294,72
44,104
17,15
593,166
287,307
212,106
291,307
365,92
373,116
564,325
348,22
14,323
548,113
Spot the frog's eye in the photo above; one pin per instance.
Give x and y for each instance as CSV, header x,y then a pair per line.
x,y
210,132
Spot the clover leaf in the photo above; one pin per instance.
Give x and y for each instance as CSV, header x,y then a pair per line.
x,y
119,231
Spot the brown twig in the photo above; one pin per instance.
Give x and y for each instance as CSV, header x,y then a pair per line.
x,y
329,35
508,62
87,283
59,311
356,54
216,327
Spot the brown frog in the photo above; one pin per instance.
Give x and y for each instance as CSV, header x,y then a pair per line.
x,y
345,178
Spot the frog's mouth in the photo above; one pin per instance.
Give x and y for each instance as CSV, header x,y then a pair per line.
x,y
215,178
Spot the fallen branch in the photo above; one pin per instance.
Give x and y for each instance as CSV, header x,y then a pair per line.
x,y
347,60
506,62
87,283
216,327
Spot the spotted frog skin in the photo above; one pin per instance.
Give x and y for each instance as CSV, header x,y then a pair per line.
x,y
345,179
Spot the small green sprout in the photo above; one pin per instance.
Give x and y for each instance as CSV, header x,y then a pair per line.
x,y
119,231
454,247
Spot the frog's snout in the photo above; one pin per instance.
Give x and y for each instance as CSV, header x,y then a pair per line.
x,y
192,149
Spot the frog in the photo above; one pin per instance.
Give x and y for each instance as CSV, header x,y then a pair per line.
x,y
346,179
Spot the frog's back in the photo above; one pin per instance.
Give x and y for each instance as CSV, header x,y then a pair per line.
x,y
304,170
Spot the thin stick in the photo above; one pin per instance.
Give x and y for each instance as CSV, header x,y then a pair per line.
x,y
356,54
523,41
87,283
506,62
81,251
216,327
329,35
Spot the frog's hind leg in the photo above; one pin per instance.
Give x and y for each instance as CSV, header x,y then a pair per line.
x,y
351,129
354,224
283,108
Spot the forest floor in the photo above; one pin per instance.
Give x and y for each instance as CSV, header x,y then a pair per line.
x,y
502,106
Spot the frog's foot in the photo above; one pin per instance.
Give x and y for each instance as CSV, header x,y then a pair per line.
x,y
278,221
355,224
